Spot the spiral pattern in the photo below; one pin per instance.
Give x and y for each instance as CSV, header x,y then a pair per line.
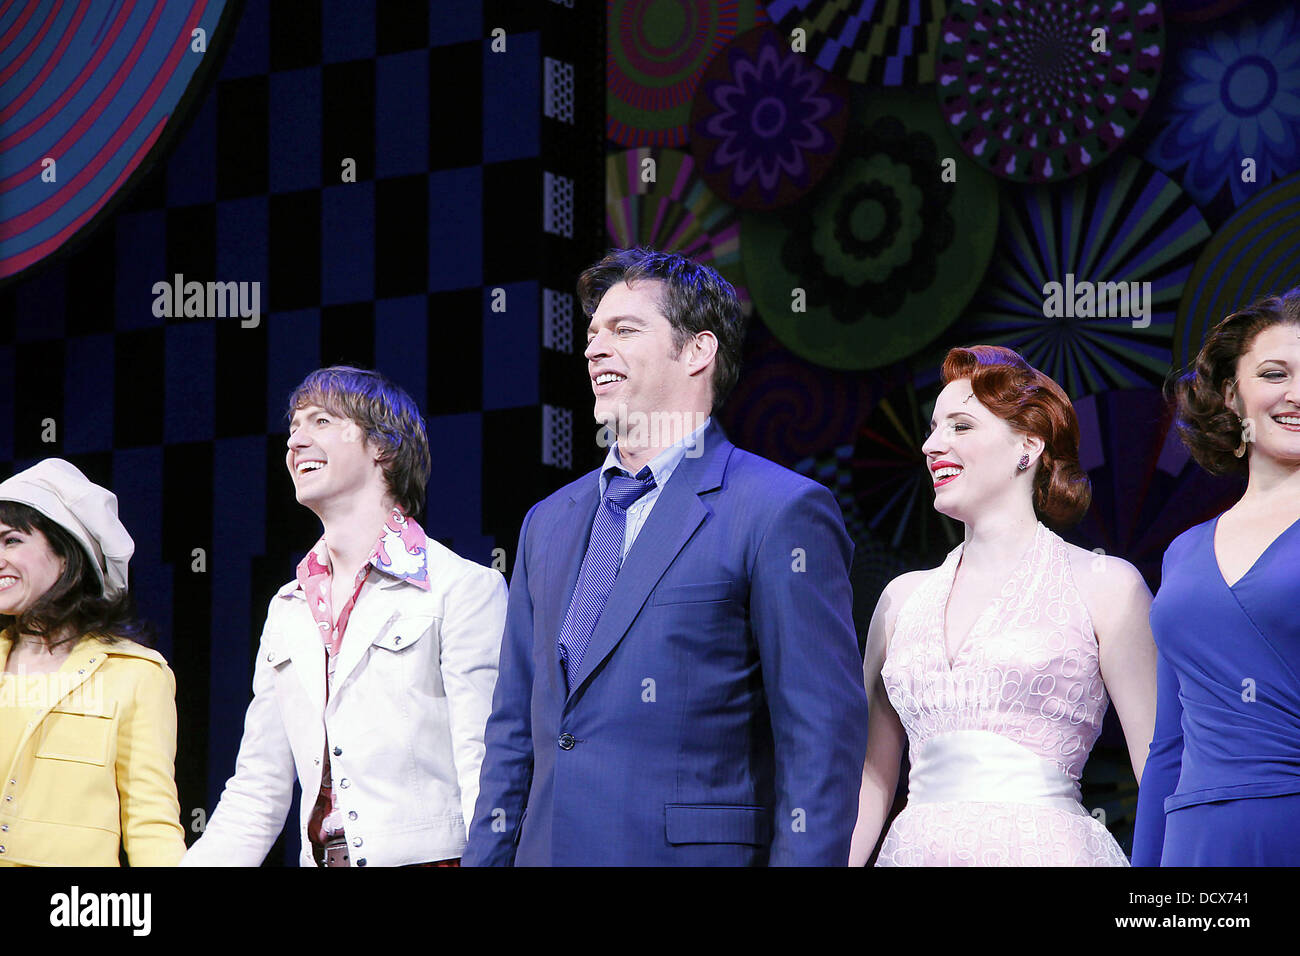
x,y
656,51
1036,92
88,92
787,410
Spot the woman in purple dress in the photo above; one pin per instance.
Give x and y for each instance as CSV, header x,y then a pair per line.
x,y
1222,782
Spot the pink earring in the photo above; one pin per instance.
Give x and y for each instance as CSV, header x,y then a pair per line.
x,y
1024,462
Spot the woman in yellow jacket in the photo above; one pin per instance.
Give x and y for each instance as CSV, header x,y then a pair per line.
x,y
87,715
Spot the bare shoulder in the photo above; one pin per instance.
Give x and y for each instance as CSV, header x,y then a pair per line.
x,y
1096,571
898,591
1109,586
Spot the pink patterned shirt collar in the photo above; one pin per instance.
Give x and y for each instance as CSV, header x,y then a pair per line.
x,y
401,551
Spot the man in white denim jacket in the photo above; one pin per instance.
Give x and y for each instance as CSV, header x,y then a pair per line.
x,y
377,664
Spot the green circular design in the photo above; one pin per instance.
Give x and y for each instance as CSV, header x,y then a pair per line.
x,y
886,257
665,21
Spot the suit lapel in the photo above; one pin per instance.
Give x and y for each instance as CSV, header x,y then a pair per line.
x,y
570,547
676,515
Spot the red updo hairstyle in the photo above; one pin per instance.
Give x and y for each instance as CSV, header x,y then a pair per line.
x,y
1030,402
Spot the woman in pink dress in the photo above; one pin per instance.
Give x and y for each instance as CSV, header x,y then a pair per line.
x,y
999,664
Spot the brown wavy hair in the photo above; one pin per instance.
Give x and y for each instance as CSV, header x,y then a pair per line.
x,y
1208,427
389,417
1030,402
75,604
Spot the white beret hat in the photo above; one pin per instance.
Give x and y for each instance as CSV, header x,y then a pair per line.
x,y
58,490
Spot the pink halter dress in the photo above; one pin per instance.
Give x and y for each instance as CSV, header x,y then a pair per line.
x,y
999,736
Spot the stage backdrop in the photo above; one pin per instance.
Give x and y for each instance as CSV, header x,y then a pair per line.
x,y
411,187
884,181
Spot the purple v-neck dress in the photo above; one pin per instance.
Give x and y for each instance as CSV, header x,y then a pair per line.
x,y
1222,783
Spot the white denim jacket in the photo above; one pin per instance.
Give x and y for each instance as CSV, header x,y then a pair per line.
x,y
411,696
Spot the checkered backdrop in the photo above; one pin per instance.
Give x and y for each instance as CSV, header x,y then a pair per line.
x,y
477,170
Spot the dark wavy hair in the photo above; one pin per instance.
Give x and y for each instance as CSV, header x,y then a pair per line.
x,y
75,604
1208,427
389,417
1030,402
695,299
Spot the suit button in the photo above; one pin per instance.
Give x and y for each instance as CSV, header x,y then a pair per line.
x,y
338,751
567,741
344,783
356,841
361,862
352,814
4,828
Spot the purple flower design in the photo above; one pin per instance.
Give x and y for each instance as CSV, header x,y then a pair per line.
x,y
767,123
1235,96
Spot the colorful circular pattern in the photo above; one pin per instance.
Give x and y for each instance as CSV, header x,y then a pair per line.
x,y
654,198
88,91
1254,254
1061,290
766,125
1232,110
893,488
1028,90
866,41
787,410
886,252
656,51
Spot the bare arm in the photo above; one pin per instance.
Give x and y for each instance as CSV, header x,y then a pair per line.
x,y
886,738
1120,605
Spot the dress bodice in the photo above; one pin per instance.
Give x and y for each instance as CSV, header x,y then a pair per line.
x,y
1028,670
999,735
1228,714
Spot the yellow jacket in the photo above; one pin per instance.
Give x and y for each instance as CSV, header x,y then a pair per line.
x,y
94,769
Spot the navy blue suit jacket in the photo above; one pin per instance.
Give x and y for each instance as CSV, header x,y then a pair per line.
x,y
718,716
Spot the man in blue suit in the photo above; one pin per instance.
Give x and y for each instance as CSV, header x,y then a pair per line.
x,y
679,680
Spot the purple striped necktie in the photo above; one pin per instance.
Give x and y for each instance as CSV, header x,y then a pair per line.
x,y
600,565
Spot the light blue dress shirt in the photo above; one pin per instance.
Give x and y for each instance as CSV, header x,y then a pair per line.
x,y
662,467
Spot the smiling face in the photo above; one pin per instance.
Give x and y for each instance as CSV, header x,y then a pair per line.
x,y
329,459
633,363
972,454
28,568
1267,392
